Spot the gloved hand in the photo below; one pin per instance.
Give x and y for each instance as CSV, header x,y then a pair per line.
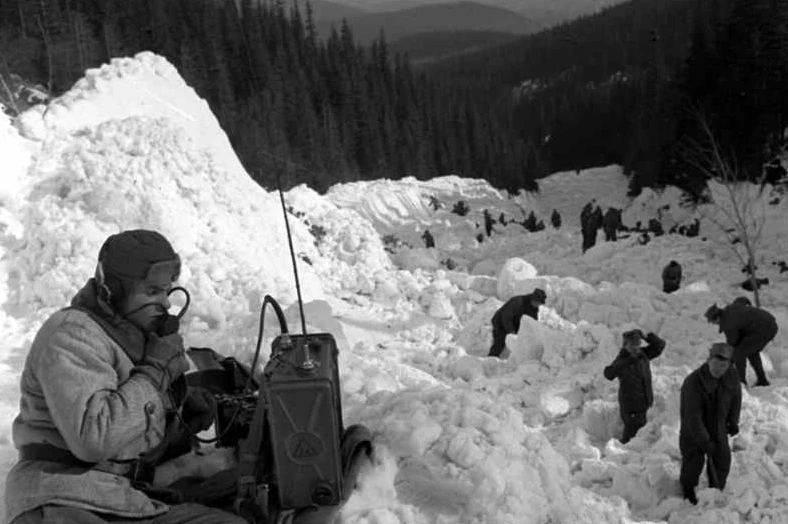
x,y
708,447
733,430
199,409
164,360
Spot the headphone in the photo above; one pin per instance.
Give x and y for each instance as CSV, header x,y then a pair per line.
x,y
109,287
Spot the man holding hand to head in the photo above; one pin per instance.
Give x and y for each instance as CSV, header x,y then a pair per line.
x,y
632,367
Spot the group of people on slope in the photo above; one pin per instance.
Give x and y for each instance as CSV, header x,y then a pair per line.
x,y
710,401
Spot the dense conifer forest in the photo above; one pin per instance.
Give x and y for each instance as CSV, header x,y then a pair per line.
x,y
335,111
630,85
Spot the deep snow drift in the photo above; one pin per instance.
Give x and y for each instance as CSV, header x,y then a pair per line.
x,y
459,437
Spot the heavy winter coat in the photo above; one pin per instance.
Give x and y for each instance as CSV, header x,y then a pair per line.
x,y
748,329
635,392
710,407
671,277
78,394
508,316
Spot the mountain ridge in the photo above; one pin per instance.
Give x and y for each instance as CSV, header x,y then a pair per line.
x,y
452,16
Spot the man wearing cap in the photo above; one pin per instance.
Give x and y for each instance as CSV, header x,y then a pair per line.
x,y
710,408
507,319
99,393
632,368
748,329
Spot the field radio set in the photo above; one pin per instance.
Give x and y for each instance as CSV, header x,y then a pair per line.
x,y
297,462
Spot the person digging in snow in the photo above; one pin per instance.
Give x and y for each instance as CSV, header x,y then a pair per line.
x,y
104,399
507,319
632,368
710,406
671,277
748,330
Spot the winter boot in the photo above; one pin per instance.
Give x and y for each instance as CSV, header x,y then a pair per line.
x,y
757,366
689,494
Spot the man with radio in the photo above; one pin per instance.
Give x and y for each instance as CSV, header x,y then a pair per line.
x,y
103,398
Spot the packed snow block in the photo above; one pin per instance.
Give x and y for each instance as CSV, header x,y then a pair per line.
x,y
529,341
412,259
319,318
601,420
467,368
485,267
630,483
461,279
440,307
555,403
484,285
576,446
385,291
514,271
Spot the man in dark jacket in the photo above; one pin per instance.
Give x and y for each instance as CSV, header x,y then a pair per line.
x,y
555,219
590,222
507,319
671,277
710,408
610,223
748,329
632,368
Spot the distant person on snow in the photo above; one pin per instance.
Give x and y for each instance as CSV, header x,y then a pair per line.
x,y
710,407
610,223
590,222
507,319
429,240
632,368
104,399
555,219
488,223
748,330
655,226
671,277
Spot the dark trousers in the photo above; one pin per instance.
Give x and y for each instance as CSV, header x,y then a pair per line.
x,y
589,238
750,349
633,421
669,286
693,458
610,234
499,340
178,514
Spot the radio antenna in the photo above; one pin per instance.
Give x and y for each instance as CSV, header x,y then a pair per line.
x,y
292,256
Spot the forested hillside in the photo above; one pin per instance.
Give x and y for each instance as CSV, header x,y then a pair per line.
x,y
295,107
638,84
629,85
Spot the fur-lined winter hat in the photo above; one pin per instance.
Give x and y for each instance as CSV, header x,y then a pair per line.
x,y
135,255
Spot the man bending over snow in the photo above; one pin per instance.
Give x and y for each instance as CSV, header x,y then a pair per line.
x,y
507,319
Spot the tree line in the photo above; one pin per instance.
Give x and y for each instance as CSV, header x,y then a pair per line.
x,y
632,84
296,109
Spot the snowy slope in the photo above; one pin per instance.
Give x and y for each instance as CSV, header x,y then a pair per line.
x,y
459,437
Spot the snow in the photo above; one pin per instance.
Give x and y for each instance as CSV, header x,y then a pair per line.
x,y
459,437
